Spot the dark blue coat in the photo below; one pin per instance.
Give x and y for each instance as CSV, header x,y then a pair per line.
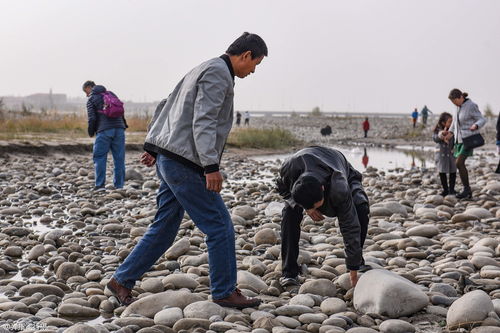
x,y
97,121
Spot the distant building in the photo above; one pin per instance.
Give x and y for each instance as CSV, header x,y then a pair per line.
x,y
47,101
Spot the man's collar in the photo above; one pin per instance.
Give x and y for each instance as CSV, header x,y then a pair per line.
x,y
226,59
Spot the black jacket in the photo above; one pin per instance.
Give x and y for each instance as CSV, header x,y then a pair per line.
x,y
97,121
498,129
343,190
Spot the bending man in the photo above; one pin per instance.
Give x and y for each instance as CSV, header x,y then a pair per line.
x,y
320,181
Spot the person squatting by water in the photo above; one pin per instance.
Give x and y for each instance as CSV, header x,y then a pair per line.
x,y
185,139
445,161
466,122
322,182
110,135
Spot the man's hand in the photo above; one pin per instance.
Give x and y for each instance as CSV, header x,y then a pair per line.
x,y
474,127
315,214
214,181
147,159
354,278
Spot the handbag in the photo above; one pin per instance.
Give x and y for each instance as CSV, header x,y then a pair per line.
x,y
473,141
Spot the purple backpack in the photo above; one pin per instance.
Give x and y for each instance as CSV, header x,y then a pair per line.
x,y
113,107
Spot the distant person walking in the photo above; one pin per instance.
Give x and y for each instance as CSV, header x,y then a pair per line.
x,y
366,126
106,120
186,139
467,122
425,114
247,118
498,142
238,119
414,117
445,161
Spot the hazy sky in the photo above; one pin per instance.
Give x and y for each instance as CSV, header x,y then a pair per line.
x,y
362,56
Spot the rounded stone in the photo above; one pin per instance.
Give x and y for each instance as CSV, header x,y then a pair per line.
x,y
386,293
265,236
333,305
321,287
168,317
152,285
203,310
396,326
471,307
69,269
302,300
37,251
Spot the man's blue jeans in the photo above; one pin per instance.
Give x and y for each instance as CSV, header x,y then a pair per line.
x,y
182,188
111,139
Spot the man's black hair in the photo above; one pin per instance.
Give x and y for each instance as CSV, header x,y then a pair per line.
x,y
307,191
87,84
248,42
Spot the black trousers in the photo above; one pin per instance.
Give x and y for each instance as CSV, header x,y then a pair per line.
x,y
290,236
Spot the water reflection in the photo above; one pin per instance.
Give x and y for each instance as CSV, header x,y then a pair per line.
x,y
380,158
364,160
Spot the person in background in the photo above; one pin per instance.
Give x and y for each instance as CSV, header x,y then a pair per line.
x,y
326,131
498,142
238,118
247,118
366,126
414,117
110,135
445,162
321,181
185,140
467,122
425,114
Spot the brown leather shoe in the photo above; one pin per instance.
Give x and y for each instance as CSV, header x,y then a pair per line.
x,y
238,300
123,294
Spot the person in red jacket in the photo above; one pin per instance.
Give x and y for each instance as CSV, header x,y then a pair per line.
x,y
366,126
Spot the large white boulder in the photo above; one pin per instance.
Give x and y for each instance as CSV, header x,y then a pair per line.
x,y
470,308
386,293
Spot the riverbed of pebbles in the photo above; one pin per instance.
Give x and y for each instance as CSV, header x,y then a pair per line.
x,y
436,260
384,130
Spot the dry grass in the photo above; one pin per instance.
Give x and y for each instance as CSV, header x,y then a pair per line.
x,y
59,126
274,138
17,126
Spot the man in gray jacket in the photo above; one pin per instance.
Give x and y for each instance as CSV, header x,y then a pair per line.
x,y
186,138
320,181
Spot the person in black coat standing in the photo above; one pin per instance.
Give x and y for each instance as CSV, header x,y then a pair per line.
x,y
322,182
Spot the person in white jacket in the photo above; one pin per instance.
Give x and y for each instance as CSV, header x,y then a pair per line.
x,y
466,122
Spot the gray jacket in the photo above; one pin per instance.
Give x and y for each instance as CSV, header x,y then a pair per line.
x,y
445,161
195,120
466,115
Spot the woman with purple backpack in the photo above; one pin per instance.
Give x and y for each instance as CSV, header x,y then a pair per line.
x,y
106,120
